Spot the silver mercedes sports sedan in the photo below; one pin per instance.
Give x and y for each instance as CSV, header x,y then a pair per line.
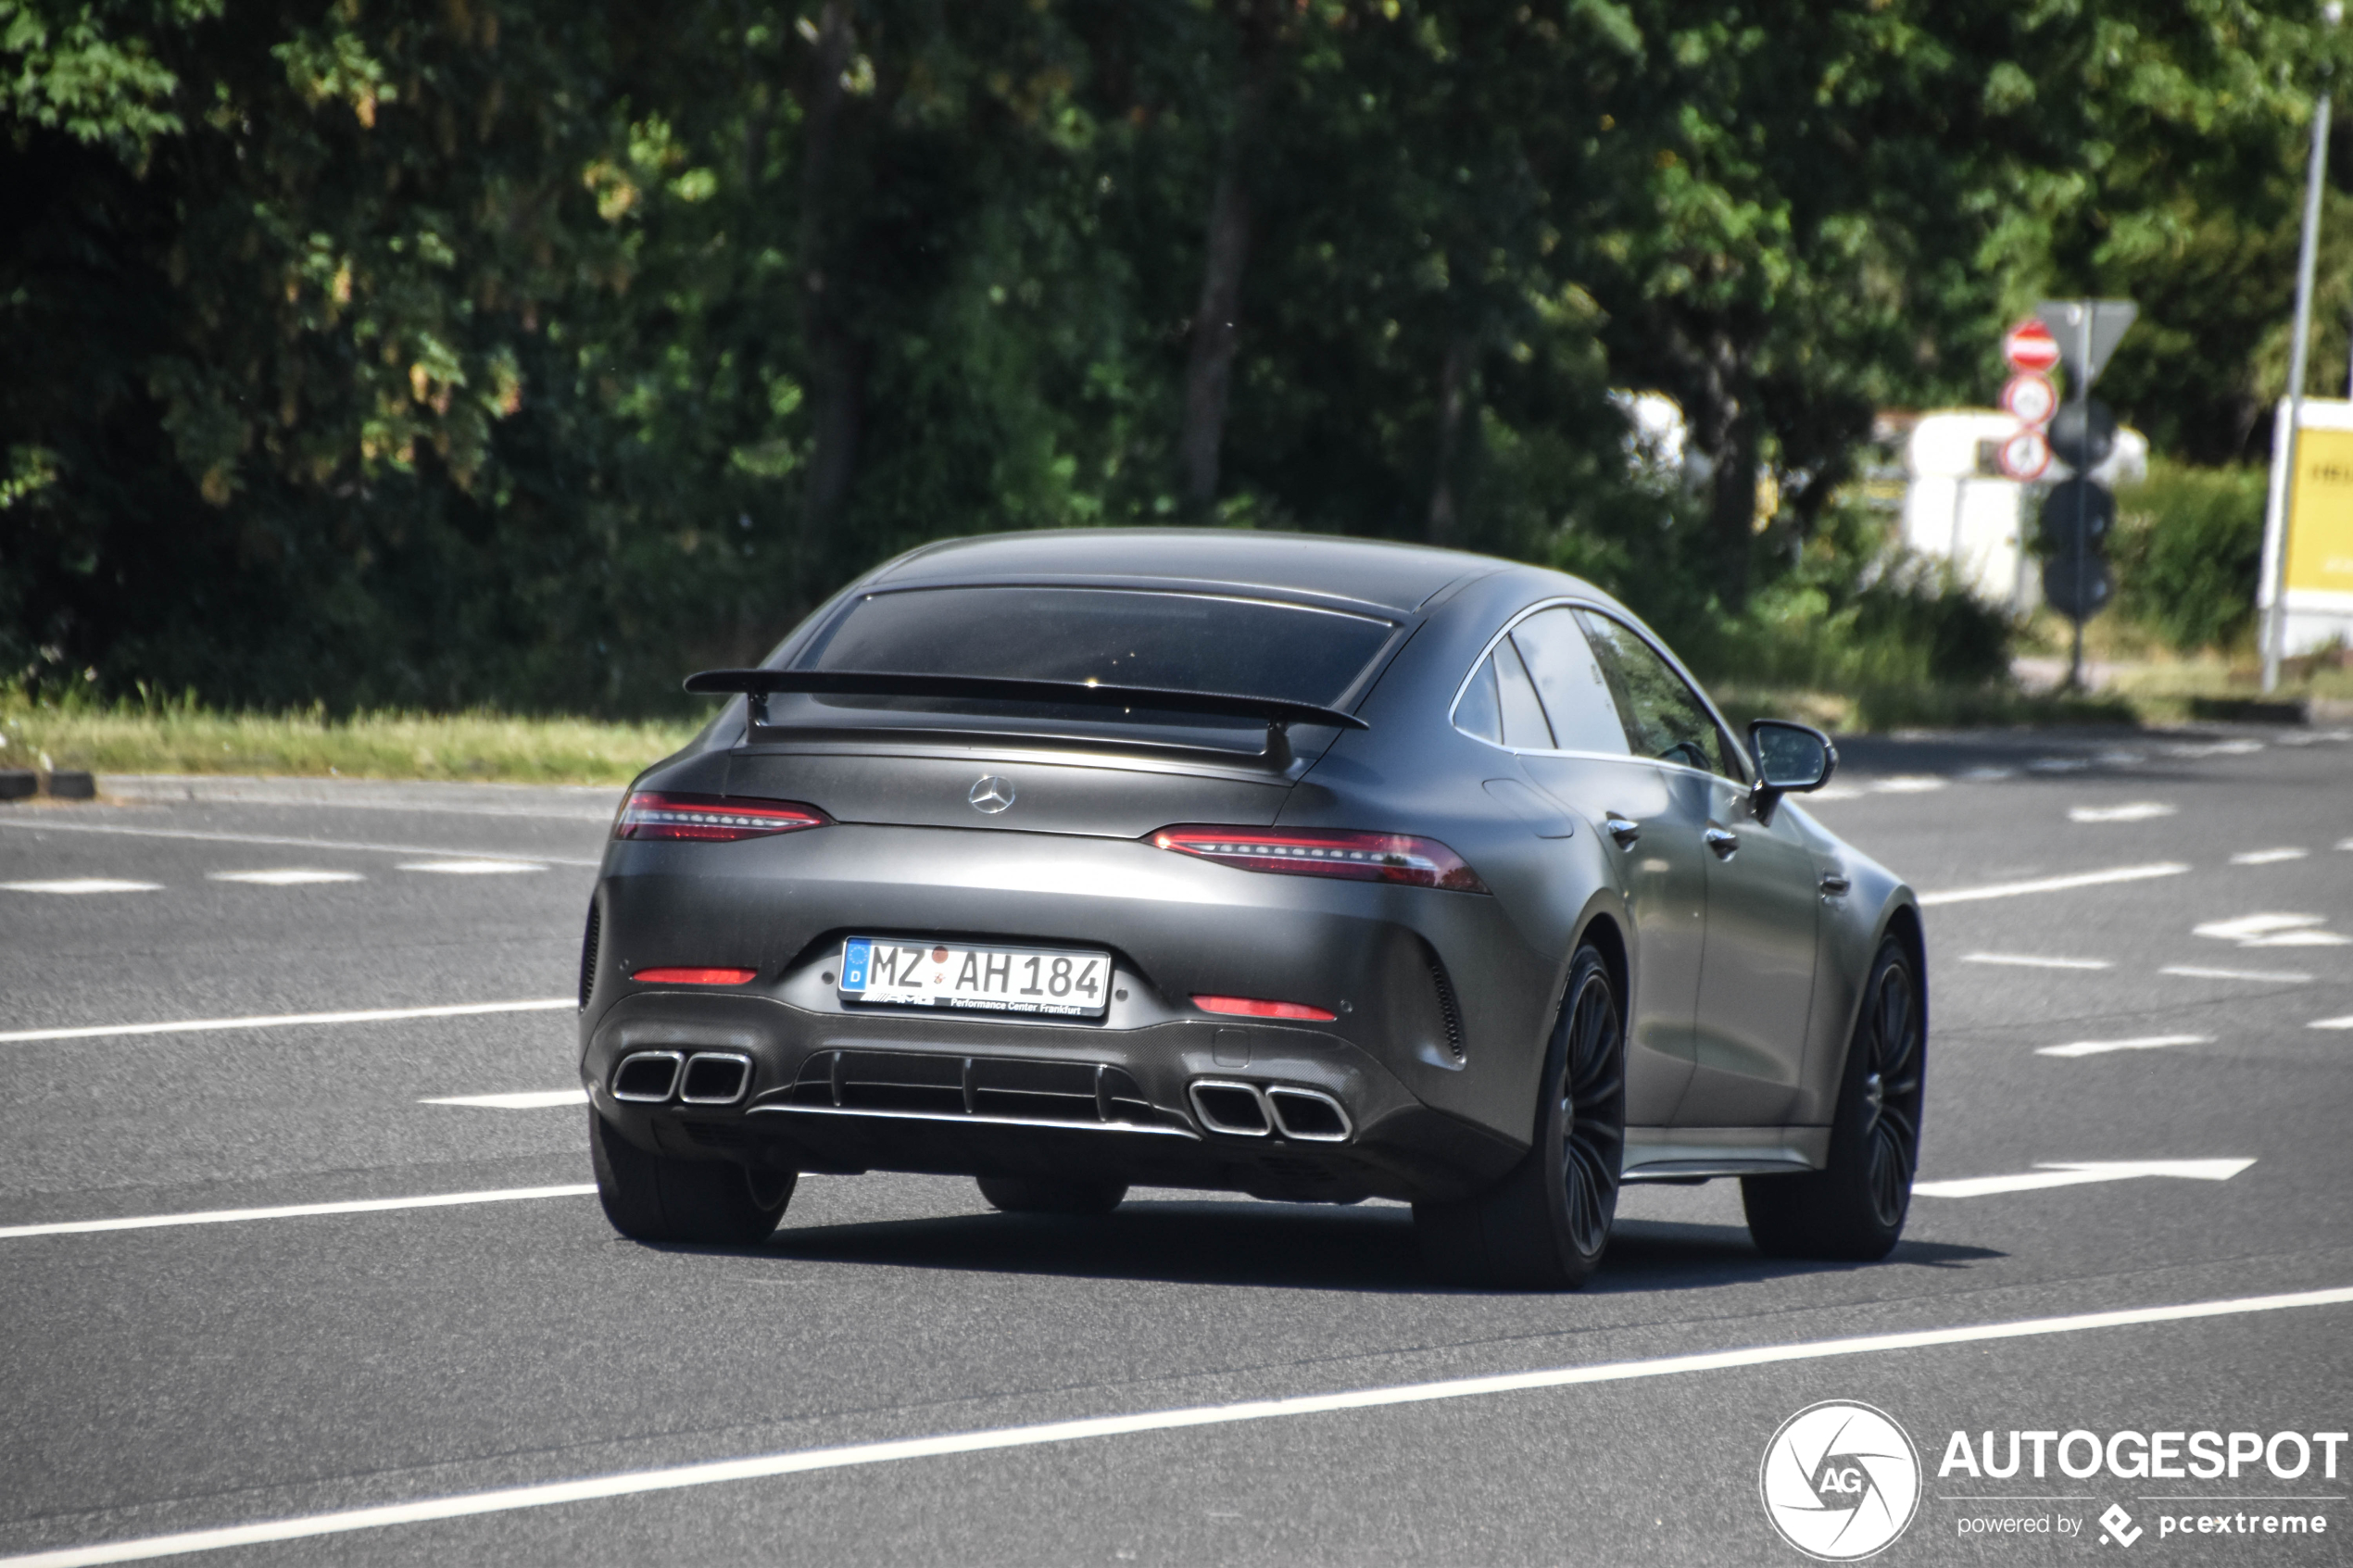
x,y
1312,867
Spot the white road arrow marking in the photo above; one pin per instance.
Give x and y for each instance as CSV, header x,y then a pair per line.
x,y
2076,1173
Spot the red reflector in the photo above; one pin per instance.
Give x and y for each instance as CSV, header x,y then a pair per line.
x,y
1246,1007
696,976
719,818
1356,857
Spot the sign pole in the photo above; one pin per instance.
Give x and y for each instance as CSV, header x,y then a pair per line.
x,y
2082,391
2315,173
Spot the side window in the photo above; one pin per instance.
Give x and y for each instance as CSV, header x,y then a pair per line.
x,y
1577,698
1500,705
1524,724
1664,717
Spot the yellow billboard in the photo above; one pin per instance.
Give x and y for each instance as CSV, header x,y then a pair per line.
x,y
2320,533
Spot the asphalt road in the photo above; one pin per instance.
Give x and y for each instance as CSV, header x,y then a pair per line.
x,y
279,1372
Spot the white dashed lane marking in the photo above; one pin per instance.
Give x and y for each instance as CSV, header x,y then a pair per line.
x,y
470,868
2035,961
2145,1043
2199,971
197,836
2268,857
73,884
2133,811
2345,1023
2055,884
288,1020
289,1212
289,876
466,1505
532,1099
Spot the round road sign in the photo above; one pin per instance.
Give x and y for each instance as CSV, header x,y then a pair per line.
x,y
2030,399
2025,455
2030,346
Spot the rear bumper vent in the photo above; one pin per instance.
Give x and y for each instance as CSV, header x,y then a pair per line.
x,y
1447,1007
588,945
982,1087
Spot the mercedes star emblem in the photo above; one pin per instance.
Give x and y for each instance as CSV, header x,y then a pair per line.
x,y
991,794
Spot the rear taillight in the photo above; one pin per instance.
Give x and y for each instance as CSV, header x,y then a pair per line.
x,y
1357,856
711,818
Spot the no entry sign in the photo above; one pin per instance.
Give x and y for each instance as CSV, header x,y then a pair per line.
x,y
2030,346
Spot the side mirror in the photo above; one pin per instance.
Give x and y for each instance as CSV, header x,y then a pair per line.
x,y
1791,760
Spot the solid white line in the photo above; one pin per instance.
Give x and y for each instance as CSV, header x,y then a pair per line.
x,y
2199,972
533,1099
289,842
83,884
2345,1023
2268,857
291,1212
288,1020
2056,883
634,1483
2145,1042
2031,960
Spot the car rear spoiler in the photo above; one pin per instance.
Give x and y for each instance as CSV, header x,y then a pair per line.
x,y
1278,713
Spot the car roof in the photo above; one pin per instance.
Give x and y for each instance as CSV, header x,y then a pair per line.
x,y
1371,572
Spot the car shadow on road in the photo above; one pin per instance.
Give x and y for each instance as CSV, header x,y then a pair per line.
x,y
1285,1246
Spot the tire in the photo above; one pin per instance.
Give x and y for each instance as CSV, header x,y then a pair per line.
x,y
1031,1195
1853,1209
652,1197
1545,1226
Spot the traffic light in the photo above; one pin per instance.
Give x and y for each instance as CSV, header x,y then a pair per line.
x,y
2076,515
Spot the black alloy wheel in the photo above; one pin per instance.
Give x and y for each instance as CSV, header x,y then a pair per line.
x,y
1853,1209
1892,1093
1545,1226
657,1198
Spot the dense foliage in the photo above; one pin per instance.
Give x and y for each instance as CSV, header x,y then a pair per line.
x,y
433,352
2188,548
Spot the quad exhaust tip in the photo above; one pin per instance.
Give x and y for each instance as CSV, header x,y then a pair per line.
x,y
1250,1111
704,1078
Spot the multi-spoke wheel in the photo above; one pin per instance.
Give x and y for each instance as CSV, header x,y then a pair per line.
x,y
1544,1225
1854,1208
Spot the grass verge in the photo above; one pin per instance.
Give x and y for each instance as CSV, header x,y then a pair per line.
x,y
481,746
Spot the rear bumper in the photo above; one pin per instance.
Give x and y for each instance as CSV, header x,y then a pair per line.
x,y
1441,1008
849,1092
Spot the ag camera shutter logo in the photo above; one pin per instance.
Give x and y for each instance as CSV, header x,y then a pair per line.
x,y
1840,1481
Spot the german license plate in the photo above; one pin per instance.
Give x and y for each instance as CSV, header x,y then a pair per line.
x,y
943,974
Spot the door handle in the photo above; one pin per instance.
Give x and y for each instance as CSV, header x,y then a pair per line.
x,y
1626,830
1723,841
1834,885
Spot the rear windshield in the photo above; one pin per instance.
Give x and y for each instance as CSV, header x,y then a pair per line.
x,y
1181,642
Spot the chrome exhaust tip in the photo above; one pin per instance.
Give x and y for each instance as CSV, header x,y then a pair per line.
x,y
648,1077
1230,1108
1308,1115
715,1078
